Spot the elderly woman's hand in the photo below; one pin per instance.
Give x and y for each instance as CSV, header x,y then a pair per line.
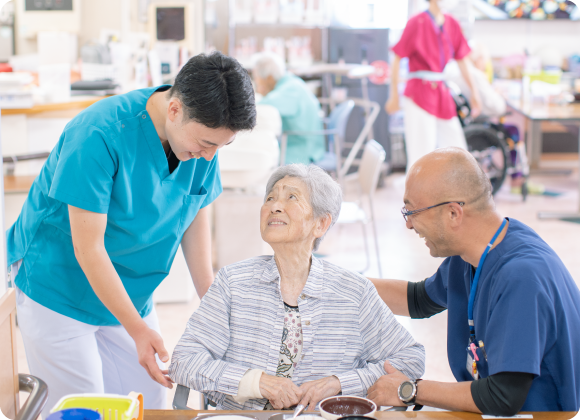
x,y
281,392
316,391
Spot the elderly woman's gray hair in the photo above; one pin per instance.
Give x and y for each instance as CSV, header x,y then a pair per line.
x,y
268,64
324,192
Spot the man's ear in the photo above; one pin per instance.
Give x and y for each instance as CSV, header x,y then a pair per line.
x,y
174,109
455,214
322,226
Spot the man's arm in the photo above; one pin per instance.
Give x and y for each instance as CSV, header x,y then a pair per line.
x,y
449,396
501,394
88,236
196,246
407,298
394,294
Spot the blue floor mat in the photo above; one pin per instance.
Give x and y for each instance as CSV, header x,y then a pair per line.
x,y
552,193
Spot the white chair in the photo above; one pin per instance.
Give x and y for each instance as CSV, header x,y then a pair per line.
x,y
367,178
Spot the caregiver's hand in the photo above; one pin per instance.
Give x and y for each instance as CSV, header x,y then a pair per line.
x,y
316,391
392,105
149,343
385,390
281,392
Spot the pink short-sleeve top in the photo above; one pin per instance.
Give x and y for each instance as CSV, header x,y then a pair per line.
x,y
430,47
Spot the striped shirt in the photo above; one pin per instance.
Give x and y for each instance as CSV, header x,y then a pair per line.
x,y
348,331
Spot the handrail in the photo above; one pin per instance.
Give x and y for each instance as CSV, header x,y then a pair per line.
x,y
37,398
30,156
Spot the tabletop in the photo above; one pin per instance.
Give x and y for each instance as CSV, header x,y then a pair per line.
x,y
74,103
353,71
380,415
546,112
18,184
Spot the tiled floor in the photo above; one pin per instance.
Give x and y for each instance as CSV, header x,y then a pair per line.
x,y
404,256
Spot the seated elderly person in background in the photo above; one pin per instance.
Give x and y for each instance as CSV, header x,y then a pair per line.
x,y
276,331
298,107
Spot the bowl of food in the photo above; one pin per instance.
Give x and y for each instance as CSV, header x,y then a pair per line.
x,y
339,406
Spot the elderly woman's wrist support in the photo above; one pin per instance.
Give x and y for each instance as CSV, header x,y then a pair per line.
x,y
249,386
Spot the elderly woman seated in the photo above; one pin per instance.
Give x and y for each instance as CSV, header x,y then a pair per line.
x,y
276,331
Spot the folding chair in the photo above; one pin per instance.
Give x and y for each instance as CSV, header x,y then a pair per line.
x,y
181,396
367,178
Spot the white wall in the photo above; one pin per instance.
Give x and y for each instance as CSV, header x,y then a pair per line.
x,y
29,23
90,16
516,36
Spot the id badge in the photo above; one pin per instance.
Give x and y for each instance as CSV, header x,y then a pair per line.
x,y
471,367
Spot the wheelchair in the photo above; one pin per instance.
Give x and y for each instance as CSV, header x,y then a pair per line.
x,y
495,146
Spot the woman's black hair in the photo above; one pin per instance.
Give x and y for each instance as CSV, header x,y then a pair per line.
x,y
216,91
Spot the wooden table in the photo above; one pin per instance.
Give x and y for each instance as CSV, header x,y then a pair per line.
x,y
535,113
18,184
435,415
75,104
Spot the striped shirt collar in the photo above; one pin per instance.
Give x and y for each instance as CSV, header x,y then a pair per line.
x,y
313,287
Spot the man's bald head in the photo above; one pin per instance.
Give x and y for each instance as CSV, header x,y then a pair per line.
x,y
451,174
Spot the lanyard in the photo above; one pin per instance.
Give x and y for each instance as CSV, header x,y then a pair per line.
x,y
476,280
440,32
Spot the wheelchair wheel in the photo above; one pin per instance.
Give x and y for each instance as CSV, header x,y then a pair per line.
x,y
490,151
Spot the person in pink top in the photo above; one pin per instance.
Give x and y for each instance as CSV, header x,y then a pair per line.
x,y
430,40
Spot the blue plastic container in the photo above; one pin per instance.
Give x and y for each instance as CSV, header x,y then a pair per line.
x,y
75,414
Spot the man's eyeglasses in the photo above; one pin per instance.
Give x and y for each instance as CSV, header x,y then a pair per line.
x,y
406,213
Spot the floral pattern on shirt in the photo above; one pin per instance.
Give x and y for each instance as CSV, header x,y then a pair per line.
x,y
291,346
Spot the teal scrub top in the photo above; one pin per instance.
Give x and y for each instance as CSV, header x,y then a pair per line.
x,y
300,111
109,160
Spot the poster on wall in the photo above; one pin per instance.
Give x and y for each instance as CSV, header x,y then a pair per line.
x,y
526,9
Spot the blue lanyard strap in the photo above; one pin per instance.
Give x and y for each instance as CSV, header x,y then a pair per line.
x,y
476,280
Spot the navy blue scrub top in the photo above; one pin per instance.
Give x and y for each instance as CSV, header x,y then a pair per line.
x,y
527,312
110,160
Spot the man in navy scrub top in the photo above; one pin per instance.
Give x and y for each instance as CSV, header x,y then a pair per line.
x,y
128,182
513,337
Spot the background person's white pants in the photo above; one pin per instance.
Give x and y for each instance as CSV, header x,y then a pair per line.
x,y
76,358
424,132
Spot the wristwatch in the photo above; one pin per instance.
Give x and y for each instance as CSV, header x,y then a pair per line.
x,y
408,392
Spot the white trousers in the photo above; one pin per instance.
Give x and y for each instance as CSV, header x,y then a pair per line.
x,y
425,132
75,358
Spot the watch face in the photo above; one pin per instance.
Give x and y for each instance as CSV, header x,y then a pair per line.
x,y
406,390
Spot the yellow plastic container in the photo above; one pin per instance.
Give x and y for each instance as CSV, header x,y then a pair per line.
x,y
548,76
110,406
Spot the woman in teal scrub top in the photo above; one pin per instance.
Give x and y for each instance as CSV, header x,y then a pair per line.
x,y
128,182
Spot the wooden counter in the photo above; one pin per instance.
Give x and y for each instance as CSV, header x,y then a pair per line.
x,y
436,415
75,104
18,184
